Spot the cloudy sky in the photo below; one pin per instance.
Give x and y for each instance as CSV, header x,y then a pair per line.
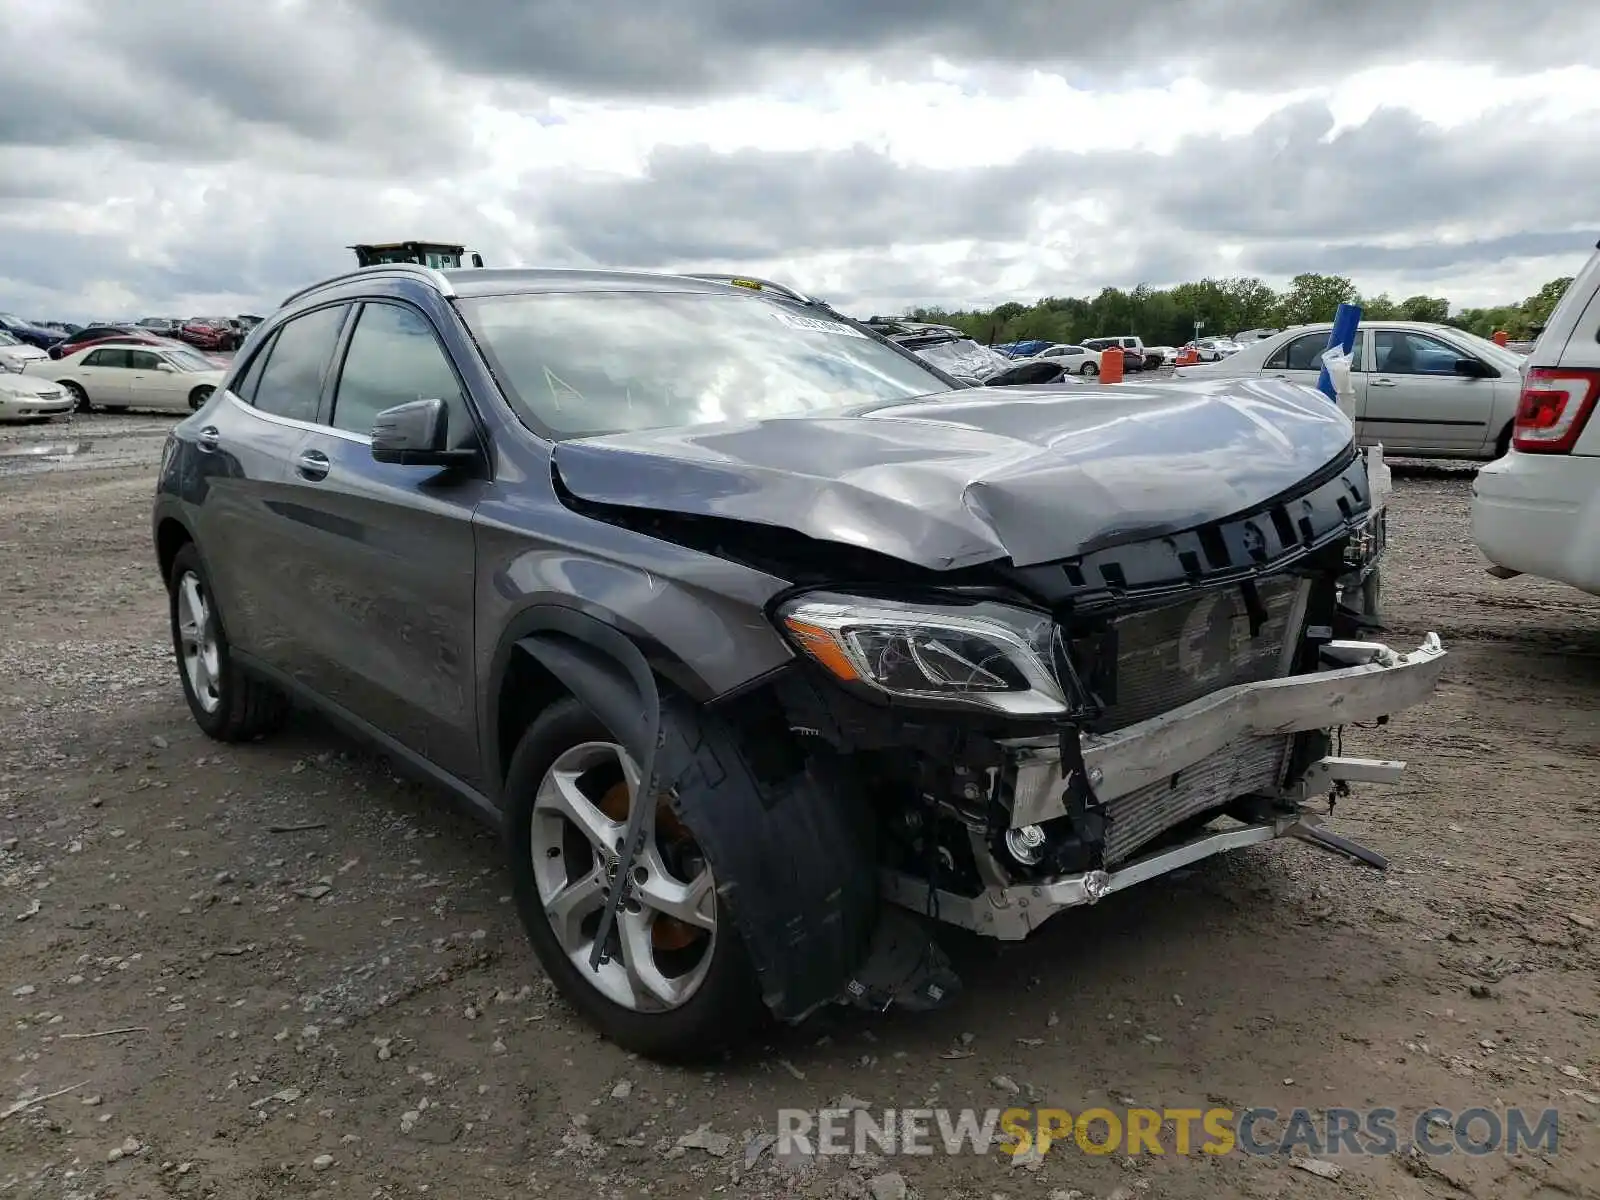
x,y
174,157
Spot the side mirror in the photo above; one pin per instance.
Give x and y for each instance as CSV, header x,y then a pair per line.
x,y
1473,368
477,259
417,434
166,368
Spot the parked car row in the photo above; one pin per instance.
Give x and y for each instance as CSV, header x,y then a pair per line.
x,y
59,338
112,375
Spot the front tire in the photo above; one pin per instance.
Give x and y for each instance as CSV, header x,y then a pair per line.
x,y
199,396
1502,445
678,984
226,703
80,398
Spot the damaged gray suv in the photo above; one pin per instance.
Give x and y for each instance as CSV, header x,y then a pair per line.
x,y
771,648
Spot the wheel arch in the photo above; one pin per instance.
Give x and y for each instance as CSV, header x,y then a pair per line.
x,y
550,650
792,853
172,535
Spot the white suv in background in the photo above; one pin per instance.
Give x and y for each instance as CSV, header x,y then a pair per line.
x,y
1537,510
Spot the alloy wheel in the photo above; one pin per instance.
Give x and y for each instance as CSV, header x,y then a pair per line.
x,y
197,638
664,938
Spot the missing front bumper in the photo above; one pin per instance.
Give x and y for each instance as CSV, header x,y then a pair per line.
x,y
1012,912
1176,753
1377,682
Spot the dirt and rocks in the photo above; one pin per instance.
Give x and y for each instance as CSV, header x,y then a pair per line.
x,y
278,970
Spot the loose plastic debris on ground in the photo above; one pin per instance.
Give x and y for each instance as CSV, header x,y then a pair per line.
x,y
276,970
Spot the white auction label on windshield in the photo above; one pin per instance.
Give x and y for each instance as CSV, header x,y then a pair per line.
x,y
816,325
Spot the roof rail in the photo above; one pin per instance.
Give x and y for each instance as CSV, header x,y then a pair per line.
x,y
753,282
429,275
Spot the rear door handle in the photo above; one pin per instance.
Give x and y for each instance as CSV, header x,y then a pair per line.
x,y
1382,383
209,437
312,464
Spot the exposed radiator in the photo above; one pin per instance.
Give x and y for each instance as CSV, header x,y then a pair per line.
x,y
1249,765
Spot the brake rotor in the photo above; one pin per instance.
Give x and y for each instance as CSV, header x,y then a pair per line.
x,y
666,933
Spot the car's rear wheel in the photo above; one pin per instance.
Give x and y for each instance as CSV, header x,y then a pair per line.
x,y
199,396
226,703
80,398
1502,445
1090,368
675,982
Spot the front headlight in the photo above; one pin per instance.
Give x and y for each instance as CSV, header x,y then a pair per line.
x,y
11,365
983,655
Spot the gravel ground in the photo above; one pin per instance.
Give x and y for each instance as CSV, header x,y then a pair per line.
x,y
278,970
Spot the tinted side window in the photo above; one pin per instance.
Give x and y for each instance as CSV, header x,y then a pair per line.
x,y
142,360
290,383
106,357
245,386
1400,352
394,357
1299,354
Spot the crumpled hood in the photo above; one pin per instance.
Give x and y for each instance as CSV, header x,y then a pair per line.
x,y
1030,474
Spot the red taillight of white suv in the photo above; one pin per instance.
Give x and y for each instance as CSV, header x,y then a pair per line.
x,y
1554,408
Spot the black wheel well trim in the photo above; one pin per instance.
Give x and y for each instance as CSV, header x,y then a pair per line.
x,y
806,936
608,673
628,646
171,535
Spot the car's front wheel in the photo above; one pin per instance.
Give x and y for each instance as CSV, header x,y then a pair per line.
x,y
674,980
199,396
80,398
225,702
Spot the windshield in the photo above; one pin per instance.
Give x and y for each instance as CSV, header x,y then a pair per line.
x,y
188,360
7,339
966,358
1485,346
582,363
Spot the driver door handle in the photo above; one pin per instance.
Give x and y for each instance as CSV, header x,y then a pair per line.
x,y
312,464
209,437
1382,383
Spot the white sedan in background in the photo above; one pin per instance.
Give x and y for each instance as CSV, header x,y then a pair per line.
x,y
1077,360
133,375
1214,349
1421,390
16,353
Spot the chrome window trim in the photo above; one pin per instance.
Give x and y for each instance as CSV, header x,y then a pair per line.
x,y
293,423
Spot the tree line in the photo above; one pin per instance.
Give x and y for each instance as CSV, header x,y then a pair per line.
x,y
1167,316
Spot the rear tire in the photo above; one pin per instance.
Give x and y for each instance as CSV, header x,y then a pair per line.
x,y
228,704
1090,368
723,1003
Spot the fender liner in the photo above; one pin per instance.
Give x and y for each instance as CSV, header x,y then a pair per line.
x,y
793,856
